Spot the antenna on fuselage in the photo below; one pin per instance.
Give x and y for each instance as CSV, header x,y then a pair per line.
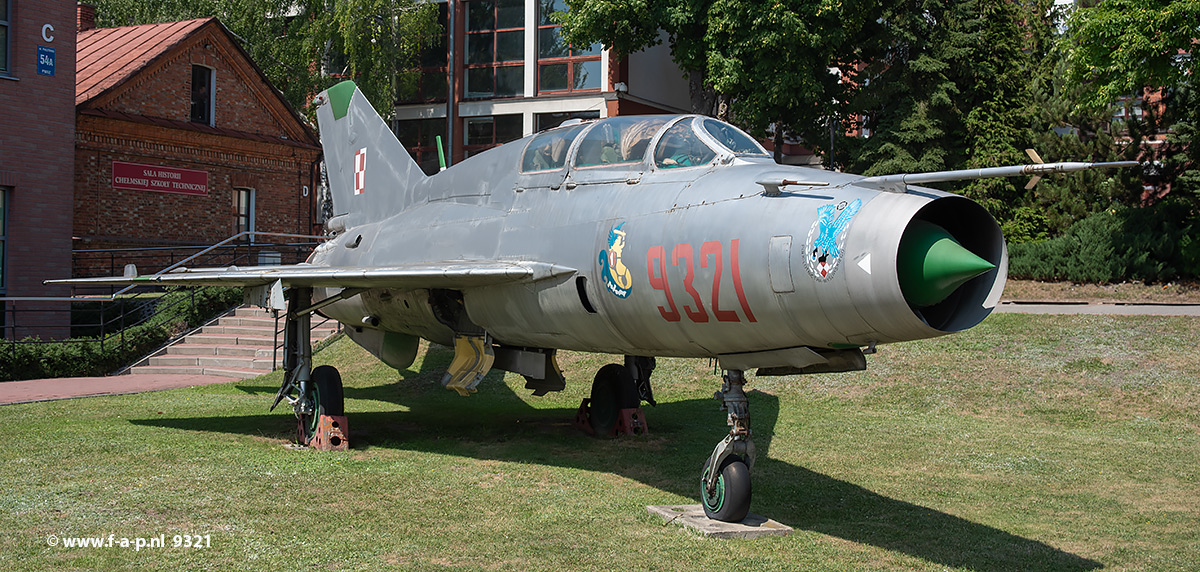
x,y
441,154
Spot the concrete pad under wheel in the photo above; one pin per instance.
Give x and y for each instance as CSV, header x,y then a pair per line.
x,y
692,516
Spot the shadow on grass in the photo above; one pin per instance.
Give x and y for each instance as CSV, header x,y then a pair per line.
x,y
498,425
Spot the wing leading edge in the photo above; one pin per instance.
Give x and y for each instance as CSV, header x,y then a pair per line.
x,y
456,274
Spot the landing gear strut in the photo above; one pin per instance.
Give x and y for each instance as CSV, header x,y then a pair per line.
x,y
314,394
725,479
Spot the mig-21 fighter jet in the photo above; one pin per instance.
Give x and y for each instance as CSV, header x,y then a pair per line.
x,y
633,236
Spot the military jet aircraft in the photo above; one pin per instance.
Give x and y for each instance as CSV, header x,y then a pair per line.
x,y
633,236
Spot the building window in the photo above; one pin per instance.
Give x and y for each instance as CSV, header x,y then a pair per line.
x,y
1129,108
483,133
432,74
5,11
4,191
243,217
495,54
544,121
419,136
202,95
562,67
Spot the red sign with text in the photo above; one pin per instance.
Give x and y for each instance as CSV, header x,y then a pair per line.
x,y
137,177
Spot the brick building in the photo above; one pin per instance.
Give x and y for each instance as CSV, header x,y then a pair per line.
x,y
37,126
180,141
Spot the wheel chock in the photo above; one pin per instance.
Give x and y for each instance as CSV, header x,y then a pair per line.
x,y
332,434
631,421
581,418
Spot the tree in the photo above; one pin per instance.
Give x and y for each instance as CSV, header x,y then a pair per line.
x,y
751,62
783,63
305,46
627,26
1064,132
946,86
1180,155
1118,47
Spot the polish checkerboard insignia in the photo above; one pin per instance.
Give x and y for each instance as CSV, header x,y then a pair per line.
x,y
360,171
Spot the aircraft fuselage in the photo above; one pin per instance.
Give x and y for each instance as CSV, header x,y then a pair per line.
x,y
685,261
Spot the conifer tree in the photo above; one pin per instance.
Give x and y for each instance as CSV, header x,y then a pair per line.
x,y
947,87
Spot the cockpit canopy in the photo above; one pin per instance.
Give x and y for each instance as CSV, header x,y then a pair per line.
x,y
687,141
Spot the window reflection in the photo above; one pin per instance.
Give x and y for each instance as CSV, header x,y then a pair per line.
x,y
617,140
495,49
562,67
732,138
548,151
486,132
680,147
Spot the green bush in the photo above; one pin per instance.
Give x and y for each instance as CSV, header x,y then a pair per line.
x,y
176,312
1152,244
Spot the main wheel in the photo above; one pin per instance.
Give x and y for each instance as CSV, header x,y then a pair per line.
x,y
325,392
613,390
730,501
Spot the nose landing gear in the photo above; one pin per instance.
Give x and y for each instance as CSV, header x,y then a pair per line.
x,y
725,480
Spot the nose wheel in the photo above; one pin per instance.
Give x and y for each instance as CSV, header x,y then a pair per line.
x,y
725,480
729,500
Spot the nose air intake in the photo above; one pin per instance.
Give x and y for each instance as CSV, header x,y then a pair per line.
x,y
931,264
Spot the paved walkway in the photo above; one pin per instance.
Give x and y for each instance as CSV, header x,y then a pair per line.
x,y
66,388
69,387
1107,308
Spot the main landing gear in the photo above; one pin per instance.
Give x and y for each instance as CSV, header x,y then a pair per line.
x,y
725,479
314,394
617,393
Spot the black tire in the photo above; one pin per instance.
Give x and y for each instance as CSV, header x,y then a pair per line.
x,y
613,390
325,391
730,502
329,384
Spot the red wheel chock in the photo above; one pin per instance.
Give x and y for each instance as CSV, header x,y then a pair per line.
x,y
631,421
332,434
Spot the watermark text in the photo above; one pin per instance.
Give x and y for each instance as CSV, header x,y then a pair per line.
x,y
137,543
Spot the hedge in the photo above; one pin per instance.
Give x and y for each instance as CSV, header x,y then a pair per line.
x,y
1151,244
176,312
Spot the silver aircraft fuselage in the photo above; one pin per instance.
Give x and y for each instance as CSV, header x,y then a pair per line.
x,y
738,255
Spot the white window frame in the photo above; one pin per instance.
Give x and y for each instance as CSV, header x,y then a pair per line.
x,y
212,94
238,216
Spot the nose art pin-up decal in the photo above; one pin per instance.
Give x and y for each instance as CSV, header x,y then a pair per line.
x,y
617,278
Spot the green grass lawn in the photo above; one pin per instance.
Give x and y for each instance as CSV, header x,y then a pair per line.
x,y
1028,443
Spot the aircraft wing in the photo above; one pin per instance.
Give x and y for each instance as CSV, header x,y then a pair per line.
x,y
448,274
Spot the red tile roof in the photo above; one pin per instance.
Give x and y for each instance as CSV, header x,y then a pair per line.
x,y
106,57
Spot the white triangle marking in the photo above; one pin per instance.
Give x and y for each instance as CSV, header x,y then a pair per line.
x,y
865,263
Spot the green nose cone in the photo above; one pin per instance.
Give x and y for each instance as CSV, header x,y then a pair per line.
x,y
931,264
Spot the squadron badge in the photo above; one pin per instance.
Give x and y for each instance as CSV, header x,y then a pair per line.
x,y
617,278
827,237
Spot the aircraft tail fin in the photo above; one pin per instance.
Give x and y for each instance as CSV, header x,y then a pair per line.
x,y
371,175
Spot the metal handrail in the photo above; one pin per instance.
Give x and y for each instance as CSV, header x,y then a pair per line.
x,y
186,246
214,247
105,322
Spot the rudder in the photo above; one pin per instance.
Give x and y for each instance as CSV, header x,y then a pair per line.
x,y
371,175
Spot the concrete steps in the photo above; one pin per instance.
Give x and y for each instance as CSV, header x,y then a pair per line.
x,y
240,345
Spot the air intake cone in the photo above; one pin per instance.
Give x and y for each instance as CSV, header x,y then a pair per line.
x,y
931,265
